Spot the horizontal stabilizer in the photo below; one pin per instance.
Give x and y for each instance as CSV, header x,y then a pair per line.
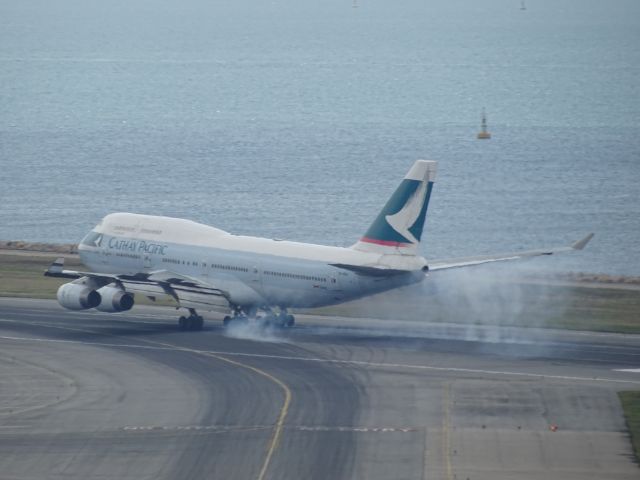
x,y
370,271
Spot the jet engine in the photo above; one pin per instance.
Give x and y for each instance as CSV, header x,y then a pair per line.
x,y
76,296
114,299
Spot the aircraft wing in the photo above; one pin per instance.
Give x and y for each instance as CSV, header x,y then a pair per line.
x,y
182,288
479,260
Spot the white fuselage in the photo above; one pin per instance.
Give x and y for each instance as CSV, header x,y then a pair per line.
x,y
252,271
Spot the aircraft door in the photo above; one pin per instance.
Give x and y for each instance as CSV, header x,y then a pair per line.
x,y
256,277
204,269
336,283
342,284
104,254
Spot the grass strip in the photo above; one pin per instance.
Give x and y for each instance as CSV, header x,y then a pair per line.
x,y
572,307
23,276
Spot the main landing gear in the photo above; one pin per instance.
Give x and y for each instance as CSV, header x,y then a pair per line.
x,y
270,319
192,322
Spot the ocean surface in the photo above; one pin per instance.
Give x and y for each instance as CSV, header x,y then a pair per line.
x,y
296,119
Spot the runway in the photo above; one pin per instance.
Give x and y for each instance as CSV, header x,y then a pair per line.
x,y
112,396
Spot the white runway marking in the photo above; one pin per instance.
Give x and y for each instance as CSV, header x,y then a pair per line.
x,y
328,360
630,370
38,314
558,345
229,428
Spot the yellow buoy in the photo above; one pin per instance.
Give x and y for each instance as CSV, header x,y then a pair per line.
x,y
484,134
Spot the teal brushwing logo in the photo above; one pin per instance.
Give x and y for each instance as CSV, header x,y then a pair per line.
x,y
408,215
401,221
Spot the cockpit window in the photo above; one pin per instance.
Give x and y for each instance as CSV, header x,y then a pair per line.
x,y
92,239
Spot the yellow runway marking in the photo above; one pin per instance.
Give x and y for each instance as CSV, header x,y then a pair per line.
x,y
446,431
425,454
277,429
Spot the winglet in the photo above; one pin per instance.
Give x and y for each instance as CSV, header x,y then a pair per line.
x,y
580,244
57,266
56,269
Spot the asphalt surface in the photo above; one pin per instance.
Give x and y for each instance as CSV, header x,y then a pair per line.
x,y
114,396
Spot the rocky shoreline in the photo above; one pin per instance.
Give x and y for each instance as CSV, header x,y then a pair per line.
x,y
19,245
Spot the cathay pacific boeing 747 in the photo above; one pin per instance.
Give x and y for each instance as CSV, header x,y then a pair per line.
x,y
256,279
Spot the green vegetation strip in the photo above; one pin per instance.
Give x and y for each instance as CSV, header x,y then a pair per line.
x,y
631,406
23,276
570,307
603,308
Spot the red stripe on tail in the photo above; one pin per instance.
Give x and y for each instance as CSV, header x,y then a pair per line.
x,y
386,243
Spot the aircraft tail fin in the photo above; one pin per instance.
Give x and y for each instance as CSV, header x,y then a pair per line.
x,y
398,228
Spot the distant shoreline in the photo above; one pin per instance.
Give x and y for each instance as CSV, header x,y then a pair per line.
x,y
38,247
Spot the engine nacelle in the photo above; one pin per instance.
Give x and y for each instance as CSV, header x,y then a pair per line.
x,y
114,299
76,296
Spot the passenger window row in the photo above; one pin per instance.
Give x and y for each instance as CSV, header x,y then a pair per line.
x,y
296,276
246,270
229,267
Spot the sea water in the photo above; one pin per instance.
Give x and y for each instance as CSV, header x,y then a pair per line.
x,y
296,119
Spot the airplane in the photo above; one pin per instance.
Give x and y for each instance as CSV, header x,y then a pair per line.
x,y
256,279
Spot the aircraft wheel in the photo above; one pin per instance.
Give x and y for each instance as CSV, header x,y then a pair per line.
x,y
291,321
197,323
226,321
182,323
267,321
